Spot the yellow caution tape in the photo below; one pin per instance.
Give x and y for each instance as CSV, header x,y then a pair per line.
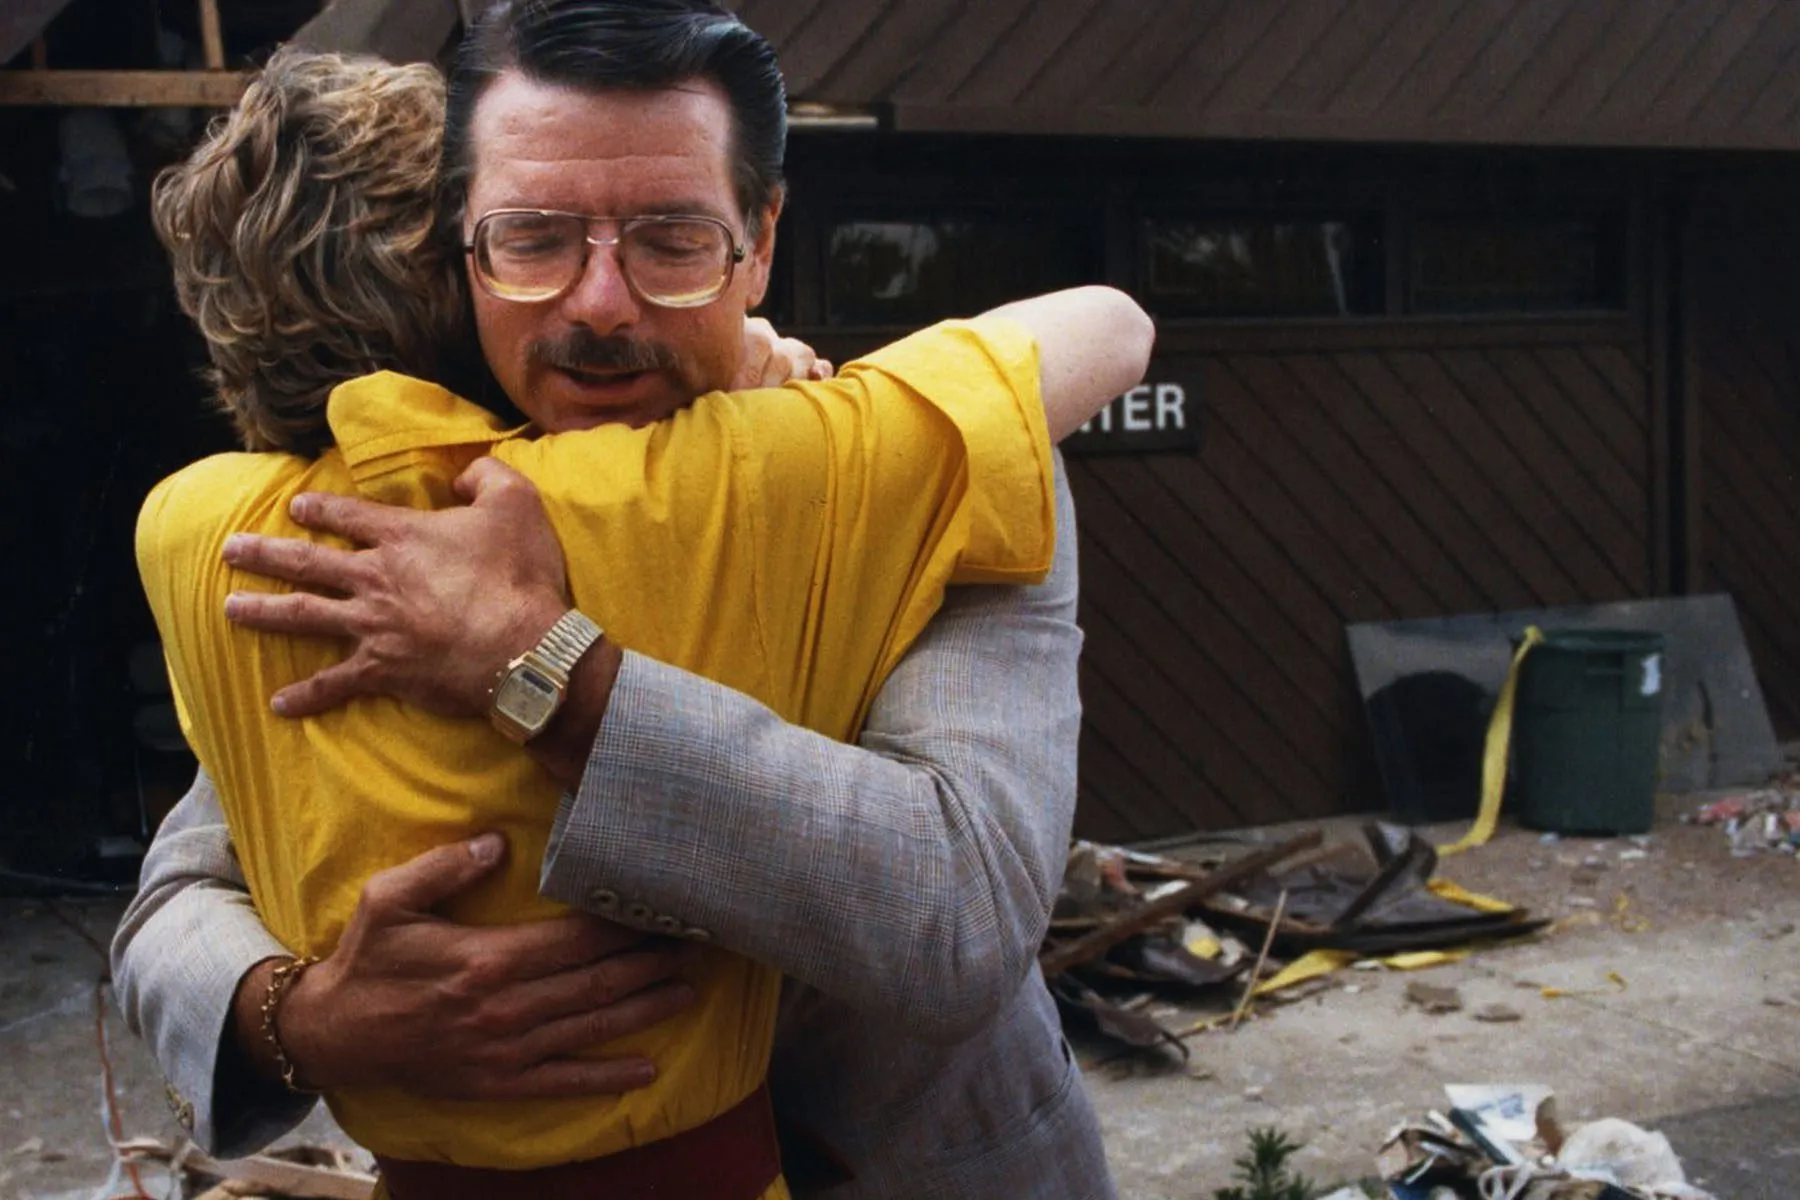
x,y
1493,759
1314,964
1613,977
1457,894
1418,960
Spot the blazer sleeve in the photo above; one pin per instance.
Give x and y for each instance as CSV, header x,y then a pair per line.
x,y
911,875
185,941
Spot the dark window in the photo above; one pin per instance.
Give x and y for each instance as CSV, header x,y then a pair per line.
x,y
778,301
1260,268
1516,264
913,272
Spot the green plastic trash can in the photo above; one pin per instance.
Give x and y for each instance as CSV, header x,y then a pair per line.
x,y
1587,732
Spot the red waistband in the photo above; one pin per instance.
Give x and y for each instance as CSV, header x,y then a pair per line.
x,y
731,1157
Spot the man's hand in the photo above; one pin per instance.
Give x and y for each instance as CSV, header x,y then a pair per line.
x,y
771,360
411,1000
434,604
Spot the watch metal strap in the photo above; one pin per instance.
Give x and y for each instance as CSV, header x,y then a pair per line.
x,y
567,641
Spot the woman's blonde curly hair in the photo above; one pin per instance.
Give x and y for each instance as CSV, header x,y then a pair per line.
x,y
304,236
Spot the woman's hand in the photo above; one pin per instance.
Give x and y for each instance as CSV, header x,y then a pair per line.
x,y
771,360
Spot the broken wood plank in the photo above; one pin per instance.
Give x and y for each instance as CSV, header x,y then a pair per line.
x,y
259,1174
123,89
1128,925
212,38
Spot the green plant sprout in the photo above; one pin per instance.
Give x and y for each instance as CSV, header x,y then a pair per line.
x,y
1263,1172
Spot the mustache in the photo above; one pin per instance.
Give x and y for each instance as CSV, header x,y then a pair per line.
x,y
581,349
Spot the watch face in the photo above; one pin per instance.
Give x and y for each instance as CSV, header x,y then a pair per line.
x,y
527,697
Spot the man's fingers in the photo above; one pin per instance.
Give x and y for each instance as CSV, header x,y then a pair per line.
x,y
422,883
294,560
488,477
598,1026
361,521
821,369
565,1077
588,993
542,948
299,613
323,691
798,358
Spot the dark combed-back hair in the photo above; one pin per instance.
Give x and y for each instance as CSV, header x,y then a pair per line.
x,y
594,45
303,235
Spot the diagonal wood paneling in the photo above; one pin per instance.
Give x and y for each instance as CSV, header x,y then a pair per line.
x,y
1332,486
1513,46
1689,73
1321,78
1770,51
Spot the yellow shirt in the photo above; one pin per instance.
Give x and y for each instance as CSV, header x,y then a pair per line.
x,y
789,543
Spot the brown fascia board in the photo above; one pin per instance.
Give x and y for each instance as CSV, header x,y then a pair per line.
x,y
122,89
1115,121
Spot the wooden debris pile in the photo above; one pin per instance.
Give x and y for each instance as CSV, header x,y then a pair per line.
x,y
1134,934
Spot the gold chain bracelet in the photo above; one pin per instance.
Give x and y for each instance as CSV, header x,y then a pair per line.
x,y
283,978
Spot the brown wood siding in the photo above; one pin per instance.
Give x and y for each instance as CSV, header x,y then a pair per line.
x,y
1407,477
1693,73
1747,380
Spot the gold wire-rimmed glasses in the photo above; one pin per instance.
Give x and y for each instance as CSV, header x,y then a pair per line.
x,y
675,261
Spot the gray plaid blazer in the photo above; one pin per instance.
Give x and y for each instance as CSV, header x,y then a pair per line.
x,y
902,886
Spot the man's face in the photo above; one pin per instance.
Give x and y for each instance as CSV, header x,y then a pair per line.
x,y
615,153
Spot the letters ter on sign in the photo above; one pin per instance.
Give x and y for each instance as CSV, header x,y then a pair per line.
x,y
1155,415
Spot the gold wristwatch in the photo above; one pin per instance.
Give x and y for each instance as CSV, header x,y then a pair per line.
x,y
532,687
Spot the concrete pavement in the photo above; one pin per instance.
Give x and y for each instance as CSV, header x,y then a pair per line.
x,y
1702,1040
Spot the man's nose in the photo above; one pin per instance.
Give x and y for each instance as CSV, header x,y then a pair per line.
x,y
600,298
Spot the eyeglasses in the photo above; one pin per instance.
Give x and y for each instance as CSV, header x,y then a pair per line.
x,y
533,255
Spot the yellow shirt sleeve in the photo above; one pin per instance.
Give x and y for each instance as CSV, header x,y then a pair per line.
x,y
981,377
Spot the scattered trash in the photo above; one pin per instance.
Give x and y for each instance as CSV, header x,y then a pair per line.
x,y
1504,1140
1273,924
1619,1152
1498,1014
1756,822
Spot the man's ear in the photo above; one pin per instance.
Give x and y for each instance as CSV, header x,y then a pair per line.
x,y
762,250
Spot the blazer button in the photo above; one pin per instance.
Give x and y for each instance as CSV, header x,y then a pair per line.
x,y
641,914
694,933
669,925
604,899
